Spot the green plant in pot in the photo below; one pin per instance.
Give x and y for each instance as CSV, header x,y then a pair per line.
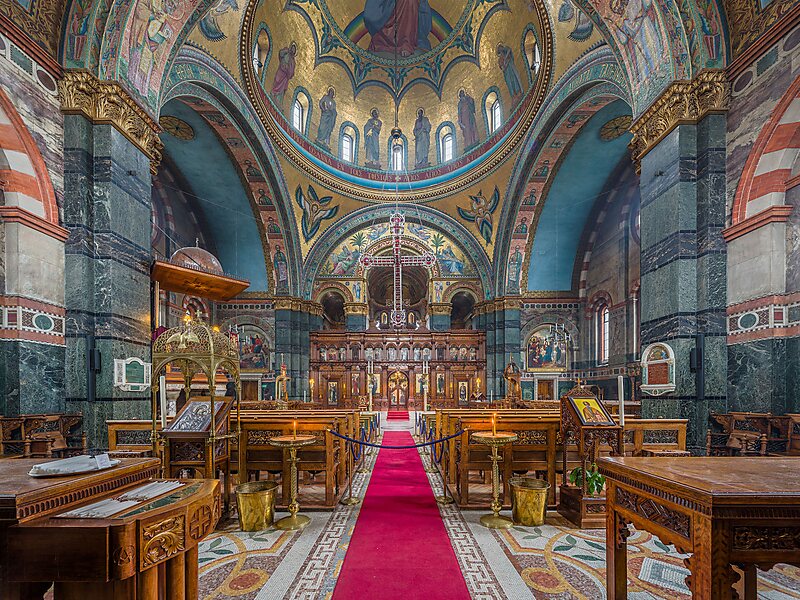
x,y
595,481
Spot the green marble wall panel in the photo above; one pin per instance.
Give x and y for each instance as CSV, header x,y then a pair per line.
x,y
683,262
107,211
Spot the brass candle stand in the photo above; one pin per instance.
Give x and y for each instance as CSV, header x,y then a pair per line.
x,y
495,440
293,442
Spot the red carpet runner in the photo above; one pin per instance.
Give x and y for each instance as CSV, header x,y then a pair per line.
x,y
397,415
400,549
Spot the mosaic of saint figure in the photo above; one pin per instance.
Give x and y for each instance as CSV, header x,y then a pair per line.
x,y
272,226
636,30
466,118
281,267
505,58
522,227
286,66
408,21
372,142
155,23
422,140
514,271
450,262
327,119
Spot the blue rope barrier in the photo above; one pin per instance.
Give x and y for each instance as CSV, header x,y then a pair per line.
x,y
390,447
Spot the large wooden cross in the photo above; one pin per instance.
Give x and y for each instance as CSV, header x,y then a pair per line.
x,y
398,261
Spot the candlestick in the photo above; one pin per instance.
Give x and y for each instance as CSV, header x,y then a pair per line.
x,y
491,396
294,428
494,424
304,395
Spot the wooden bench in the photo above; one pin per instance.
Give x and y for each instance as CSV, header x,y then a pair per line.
x,y
131,437
655,437
534,450
256,454
747,434
42,436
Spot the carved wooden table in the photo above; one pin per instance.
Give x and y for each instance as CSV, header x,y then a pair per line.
x,y
723,511
143,552
24,498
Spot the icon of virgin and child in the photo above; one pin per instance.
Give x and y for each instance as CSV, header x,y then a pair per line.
x,y
410,20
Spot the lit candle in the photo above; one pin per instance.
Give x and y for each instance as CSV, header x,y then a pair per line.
x,y
494,424
294,428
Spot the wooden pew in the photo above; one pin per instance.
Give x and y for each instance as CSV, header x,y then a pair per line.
x,y
447,423
42,436
348,419
130,437
535,450
654,436
328,455
747,434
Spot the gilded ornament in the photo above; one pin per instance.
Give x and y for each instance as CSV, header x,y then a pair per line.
x,y
177,127
162,540
683,103
82,93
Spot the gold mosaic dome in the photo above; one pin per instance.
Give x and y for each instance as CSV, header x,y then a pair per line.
x,y
417,97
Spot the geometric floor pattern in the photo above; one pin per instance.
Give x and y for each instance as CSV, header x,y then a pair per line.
x,y
554,561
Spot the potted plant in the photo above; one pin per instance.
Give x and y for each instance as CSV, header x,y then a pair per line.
x,y
595,481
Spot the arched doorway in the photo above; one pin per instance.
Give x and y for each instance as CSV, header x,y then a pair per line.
x,y
398,390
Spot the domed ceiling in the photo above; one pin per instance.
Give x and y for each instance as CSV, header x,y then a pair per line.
x,y
464,79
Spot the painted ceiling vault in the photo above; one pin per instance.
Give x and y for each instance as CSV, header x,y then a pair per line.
x,y
502,108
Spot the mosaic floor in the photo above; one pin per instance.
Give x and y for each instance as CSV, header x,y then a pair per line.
x,y
554,561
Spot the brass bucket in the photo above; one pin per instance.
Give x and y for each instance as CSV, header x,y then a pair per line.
x,y
256,503
528,500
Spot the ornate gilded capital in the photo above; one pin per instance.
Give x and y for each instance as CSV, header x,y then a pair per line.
x,y
313,308
82,93
682,103
284,303
508,303
355,308
440,308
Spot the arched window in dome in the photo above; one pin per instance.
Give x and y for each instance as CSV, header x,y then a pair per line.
x,y
398,154
532,53
348,142
493,110
398,164
261,50
446,142
301,111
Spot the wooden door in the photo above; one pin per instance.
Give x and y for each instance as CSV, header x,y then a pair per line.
x,y
250,391
544,389
398,390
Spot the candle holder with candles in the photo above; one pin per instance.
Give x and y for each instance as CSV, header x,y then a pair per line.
x,y
293,442
495,440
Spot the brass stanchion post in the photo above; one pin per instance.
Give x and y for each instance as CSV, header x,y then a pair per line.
x,y
444,498
350,500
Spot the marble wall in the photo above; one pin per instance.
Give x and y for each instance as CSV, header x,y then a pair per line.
x,y
763,270
32,262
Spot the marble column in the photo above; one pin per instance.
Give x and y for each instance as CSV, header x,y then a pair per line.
x,y
356,314
284,320
110,148
294,320
680,144
440,316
